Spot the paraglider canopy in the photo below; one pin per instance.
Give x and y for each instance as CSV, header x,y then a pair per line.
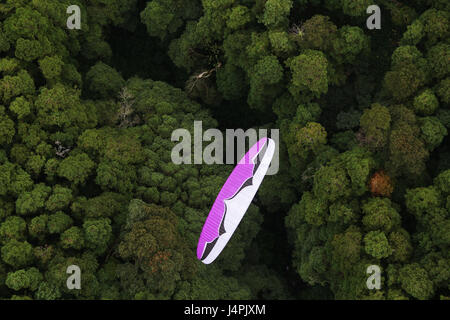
x,y
234,199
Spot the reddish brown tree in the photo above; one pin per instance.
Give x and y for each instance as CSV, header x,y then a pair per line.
x,y
381,184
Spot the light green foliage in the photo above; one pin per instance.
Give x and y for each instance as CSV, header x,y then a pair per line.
x,y
31,202
375,123
356,7
433,132
311,209
37,228
17,254
24,279
438,57
60,106
331,183
160,17
377,245
7,130
239,17
9,66
25,22
401,245
310,138
436,24
87,179
426,103
280,42
413,34
72,238
275,12
442,181
443,90
35,164
428,205
349,43
13,86
51,67
409,72
309,72
58,222
47,292
21,107
59,199
12,228
29,50
76,168
379,215
421,199
97,234
268,70
415,281
14,180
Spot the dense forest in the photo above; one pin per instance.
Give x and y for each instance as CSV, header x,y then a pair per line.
x,y
86,176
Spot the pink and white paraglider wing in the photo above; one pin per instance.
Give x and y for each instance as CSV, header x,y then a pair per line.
x,y
234,199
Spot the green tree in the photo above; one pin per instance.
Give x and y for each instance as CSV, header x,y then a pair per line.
x,y
51,67
17,254
415,281
97,234
433,132
37,228
377,245
375,124
58,222
76,168
59,199
33,201
349,44
426,103
72,238
153,242
7,130
309,73
409,72
24,279
12,228
317,33
104,81
275,12
380,215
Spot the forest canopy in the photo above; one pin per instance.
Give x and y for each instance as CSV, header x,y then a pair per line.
x,y
86,176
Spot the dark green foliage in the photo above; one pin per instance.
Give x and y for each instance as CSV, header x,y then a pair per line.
x,y
87,179
104,81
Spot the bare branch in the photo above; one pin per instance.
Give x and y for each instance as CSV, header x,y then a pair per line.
x,y
126,102
61,151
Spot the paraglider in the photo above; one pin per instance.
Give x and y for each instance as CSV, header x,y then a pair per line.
x,y
234,199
